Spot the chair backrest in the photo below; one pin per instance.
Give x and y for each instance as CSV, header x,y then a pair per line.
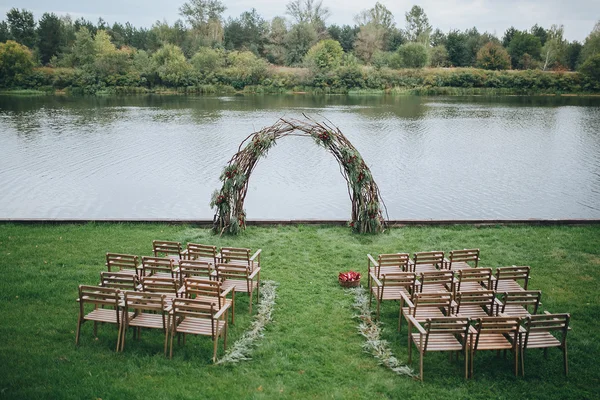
x,y
194,268
119,280
439,300
443,277
166,248
399,260
428,258
198,287
483,298
202,251
547,323
446,325
235,255
99,296
513,273
496,325
192,308
118,262
525,298
153,284
466,256
147,302
399,279
483,276
235,272
155,265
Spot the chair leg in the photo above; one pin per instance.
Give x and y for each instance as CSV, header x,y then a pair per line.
x,y
167,333
378,307
565,359
250,308
516,351
421,364
225,337
215,344
172,334
409,346
466,361
79,322
95,328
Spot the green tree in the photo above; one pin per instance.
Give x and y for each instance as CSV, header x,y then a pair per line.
x,y
245,68
171,66
205,17
327,54
378,27
369,41
275,50
413,55
591,46
345,35
521,44
540,33
418,28
493,56
207,59
508,35
84,23
4,32
437,38
50,35
16,62
309,12
438,56
458,53
554,51
22,26
246,32
298,41
83,52
590,69
572,55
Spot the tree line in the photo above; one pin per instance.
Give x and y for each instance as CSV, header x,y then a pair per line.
x,y
203,48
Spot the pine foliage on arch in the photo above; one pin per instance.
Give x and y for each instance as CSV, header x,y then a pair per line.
x,y
228,202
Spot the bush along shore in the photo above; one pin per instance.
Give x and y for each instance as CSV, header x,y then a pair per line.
x,y
272,79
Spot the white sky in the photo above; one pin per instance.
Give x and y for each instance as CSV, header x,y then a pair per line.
x,y
495,16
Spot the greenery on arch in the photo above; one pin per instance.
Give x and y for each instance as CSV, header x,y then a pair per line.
x,y
228,202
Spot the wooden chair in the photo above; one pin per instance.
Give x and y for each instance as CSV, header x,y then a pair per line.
x,y
386,264
538,335
124,263
107,308
462,259
440,334
160,285
241,278
521,303
165,248
195,268
426,305
477,304
435,281
159,266
391,287
508,278
240,256
119,280
473,279
427,261
150,310
201,252
496,333
200,317
209,290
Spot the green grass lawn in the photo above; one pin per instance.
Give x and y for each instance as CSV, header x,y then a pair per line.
x,y
312,348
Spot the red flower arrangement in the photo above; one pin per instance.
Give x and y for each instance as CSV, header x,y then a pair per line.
x,y
349,279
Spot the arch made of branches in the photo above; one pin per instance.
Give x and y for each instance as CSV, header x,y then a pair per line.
x,y
228,202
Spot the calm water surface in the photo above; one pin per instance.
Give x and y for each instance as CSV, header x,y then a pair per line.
x,y
432,157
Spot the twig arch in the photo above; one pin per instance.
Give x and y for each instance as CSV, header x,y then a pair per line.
x,y
228,202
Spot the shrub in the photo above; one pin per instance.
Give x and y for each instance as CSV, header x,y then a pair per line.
x,y
590,70
171,66
327,54
438,56
493,56
16,63
208,60
413,55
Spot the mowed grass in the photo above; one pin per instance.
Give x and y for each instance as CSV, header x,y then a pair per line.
x,y
312,348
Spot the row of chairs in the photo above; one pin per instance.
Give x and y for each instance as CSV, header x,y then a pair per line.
x,y
434,290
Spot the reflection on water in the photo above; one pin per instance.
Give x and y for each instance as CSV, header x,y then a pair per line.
x,y
433,157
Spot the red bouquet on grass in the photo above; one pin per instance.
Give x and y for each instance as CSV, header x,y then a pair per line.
x,y
349,279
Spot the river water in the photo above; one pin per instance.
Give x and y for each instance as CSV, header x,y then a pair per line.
x,y
432,157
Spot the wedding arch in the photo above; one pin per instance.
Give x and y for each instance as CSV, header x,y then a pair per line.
x,y
228,202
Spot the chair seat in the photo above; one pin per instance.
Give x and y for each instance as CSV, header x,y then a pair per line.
x,y
493,341
434,287
390,292
542,340
423,313
508,285
198,326
472,311
459,265
516,311
389,270
471,286
438,342
102,315
146,320
424,268
240,286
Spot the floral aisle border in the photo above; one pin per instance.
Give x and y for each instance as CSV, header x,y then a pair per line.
x,y
372,333
228,202
242,348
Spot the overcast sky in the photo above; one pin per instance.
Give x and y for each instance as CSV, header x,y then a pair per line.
x,y
495,16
